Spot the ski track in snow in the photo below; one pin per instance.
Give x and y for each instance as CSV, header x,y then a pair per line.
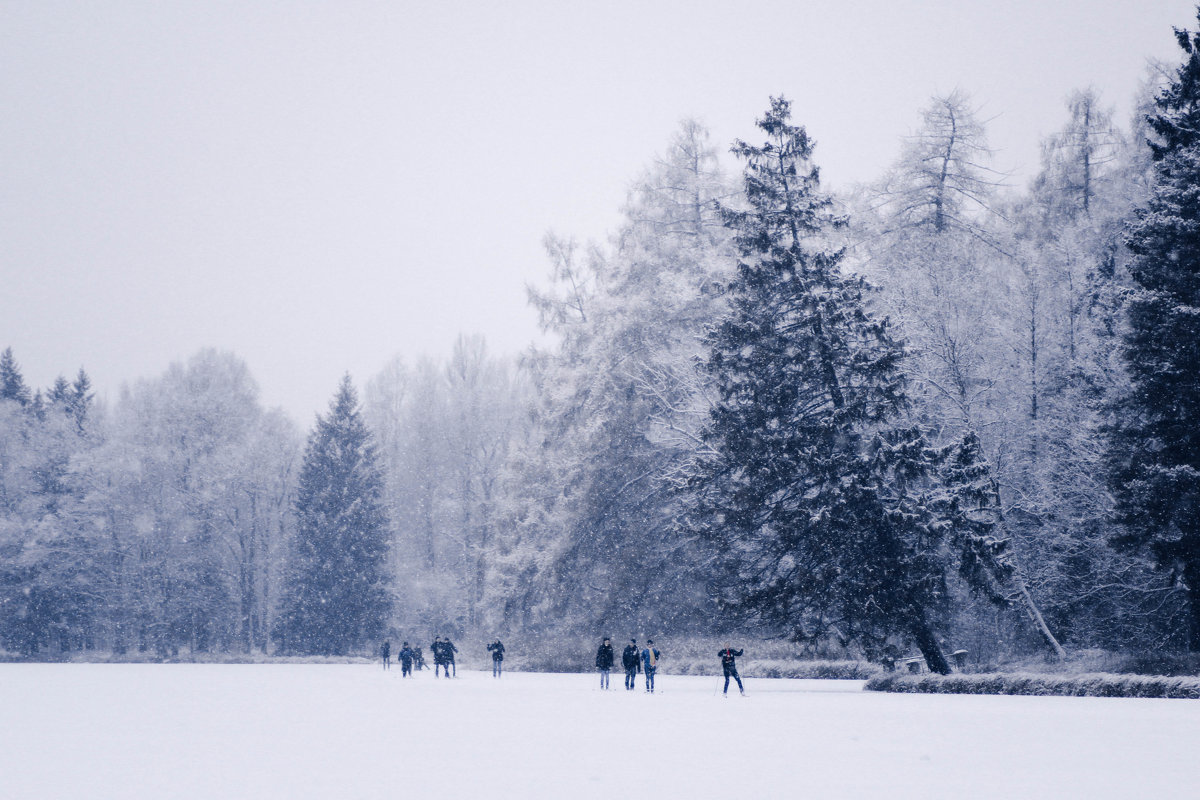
x,y
355,731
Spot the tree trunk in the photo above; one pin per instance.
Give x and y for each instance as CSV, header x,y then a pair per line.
x,y
1191,575
1018,583
1035,615
927,643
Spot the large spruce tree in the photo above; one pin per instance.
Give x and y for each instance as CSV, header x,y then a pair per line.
x,y
1155,442
337,596
809,490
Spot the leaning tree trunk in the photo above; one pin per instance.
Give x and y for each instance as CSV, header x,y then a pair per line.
x,y
1191,576
1035,616
927,643
1009,573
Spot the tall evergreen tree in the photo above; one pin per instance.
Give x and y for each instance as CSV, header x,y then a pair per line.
x,y
1155,442
811,495
336,597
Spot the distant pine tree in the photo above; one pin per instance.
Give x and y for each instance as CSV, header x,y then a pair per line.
x,y
336,596
12,383
1154,447
813,500
60,392
79,399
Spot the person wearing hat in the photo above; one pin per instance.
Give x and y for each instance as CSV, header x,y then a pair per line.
x,y
604,661
729,667
650,658
405,657
631,662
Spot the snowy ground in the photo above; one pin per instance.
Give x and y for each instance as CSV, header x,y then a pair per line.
x,y
283,731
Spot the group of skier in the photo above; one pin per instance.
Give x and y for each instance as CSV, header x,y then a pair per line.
x,y
443,657
634,660
646,660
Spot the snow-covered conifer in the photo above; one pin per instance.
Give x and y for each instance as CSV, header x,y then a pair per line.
x,y
1155,445
12,382
337,595
811,491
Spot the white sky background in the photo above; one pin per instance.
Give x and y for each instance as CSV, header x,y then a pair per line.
x,y
319,186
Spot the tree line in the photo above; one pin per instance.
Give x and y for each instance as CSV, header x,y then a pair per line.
x,y
929,411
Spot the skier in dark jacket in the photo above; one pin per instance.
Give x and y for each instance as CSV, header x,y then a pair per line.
x,y
497,650
386,652
650,657
405,657
604,661
439,657
729,666
448,651
631,663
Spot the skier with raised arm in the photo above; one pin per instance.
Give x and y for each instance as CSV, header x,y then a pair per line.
x,y
497,651
729,667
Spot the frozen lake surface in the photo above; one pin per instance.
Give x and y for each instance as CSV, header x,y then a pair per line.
x,y
306,731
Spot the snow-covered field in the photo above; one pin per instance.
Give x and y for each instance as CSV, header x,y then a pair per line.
x,y
284,731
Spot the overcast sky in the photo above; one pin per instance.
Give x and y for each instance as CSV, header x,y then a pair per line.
x,y
320,186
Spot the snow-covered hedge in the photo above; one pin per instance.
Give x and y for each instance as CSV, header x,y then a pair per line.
x,y
683,655
776,668
673,664
101,657
1089,685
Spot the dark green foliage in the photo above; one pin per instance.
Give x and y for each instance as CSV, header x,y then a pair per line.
x,y
814,504
971,504
45,596
337,593
1155,442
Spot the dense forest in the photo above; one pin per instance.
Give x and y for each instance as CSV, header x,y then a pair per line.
x,y
933,412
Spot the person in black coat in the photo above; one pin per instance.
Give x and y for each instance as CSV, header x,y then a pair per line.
x,y
386,652
604,661
497,650
729,666
448,651
631,661
405,657
439,656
